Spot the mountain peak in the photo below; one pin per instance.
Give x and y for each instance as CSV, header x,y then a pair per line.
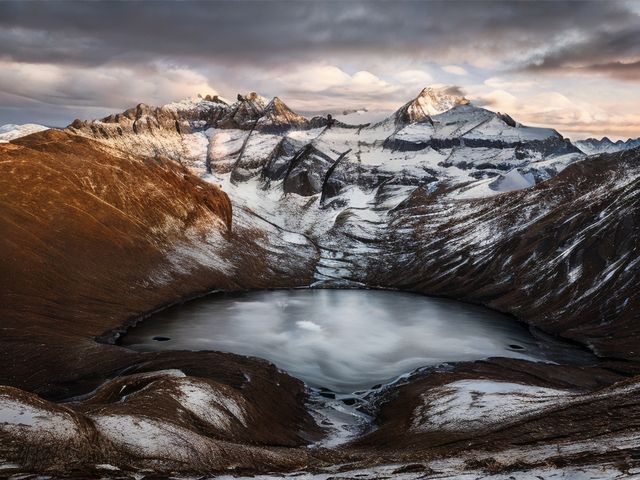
x,y
434,100
253,97
430,101
278,113
197,102
277,105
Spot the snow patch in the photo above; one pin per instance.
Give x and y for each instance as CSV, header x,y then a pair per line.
x,y
474,404
217,407
18,417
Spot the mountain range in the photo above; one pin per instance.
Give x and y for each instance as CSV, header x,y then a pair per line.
x,y
591,146
106,221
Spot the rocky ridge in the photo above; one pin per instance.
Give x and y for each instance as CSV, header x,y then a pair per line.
x,y
429,102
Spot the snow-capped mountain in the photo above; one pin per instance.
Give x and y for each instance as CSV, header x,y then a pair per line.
x,y
438,137
276,115
301,175
430,101
592,146
12,131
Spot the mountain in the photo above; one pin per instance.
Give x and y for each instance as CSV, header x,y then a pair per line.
x,y
245,112
430,101
110,220
12,131
447,136
172,130
277,115
592,146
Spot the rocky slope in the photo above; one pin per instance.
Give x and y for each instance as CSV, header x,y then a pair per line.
x,y
101,225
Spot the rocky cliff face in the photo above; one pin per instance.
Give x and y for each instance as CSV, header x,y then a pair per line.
x,y
171,131
101,227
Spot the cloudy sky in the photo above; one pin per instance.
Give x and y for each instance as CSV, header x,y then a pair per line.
x,y
572,65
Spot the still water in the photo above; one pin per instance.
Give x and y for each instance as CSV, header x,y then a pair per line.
x,y
342,340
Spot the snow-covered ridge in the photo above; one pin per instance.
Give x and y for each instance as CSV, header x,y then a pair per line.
x,y
593,146
438,137
196,103
12,131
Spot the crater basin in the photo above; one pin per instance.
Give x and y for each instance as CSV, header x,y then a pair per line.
x,y
340,340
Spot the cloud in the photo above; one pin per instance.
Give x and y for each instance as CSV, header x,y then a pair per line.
x,y
93,33
323,87
614,52
571,116
627,71
312,78
498,100
514,85
413,77
331,80
110,87
455,70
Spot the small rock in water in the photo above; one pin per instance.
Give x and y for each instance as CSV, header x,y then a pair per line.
x,y
161,339
328,395
412,468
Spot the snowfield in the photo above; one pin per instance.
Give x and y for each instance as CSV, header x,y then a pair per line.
x,y
12,131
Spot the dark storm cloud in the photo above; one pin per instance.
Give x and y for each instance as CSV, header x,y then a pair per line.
x,y
624,71
91,33
612,52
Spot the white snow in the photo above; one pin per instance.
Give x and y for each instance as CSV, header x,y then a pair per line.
x,y
218,407
12,131
474,404
147,437
513,180
35,419
194,103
